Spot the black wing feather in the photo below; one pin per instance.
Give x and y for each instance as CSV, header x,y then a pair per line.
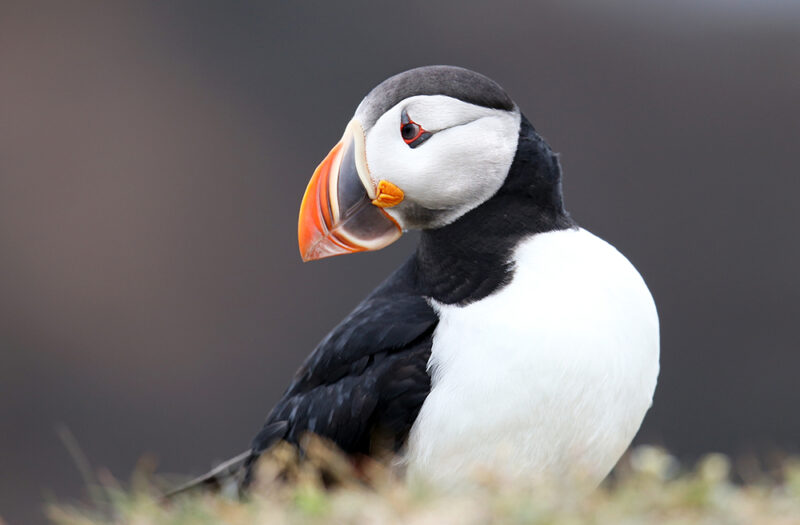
x,y
367,377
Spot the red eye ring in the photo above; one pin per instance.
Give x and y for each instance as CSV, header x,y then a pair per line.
x,y
410,131
413,134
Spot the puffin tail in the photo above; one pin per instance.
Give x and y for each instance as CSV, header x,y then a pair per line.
x,y
225,478
232,477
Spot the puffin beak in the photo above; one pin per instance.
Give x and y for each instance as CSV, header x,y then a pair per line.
x,y
342,210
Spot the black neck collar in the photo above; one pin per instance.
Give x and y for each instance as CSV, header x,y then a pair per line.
x,y
470,258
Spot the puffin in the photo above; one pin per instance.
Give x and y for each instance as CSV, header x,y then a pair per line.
x,y
511,341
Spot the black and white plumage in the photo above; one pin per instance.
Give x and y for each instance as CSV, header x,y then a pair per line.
x,y
511,339
367,376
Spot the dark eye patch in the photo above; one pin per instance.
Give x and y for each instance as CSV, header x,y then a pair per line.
x,y
413,134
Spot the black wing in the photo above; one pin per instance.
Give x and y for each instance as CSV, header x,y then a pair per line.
x,y
367,378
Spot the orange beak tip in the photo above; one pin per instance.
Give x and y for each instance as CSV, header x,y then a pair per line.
x,y
333,218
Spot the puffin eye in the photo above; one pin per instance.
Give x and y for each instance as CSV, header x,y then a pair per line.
x,y
413,134
410,131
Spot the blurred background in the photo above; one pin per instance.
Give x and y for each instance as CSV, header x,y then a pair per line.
x,y
153,156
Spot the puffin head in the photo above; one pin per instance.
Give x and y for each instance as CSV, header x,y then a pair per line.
x,y
424,148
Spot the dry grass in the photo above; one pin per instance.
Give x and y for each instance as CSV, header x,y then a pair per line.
x,y
648,487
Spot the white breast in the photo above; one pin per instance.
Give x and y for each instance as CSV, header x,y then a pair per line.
x,y
547,379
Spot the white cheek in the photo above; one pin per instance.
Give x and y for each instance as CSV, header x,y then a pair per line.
x,y
457,169
466,164
387,154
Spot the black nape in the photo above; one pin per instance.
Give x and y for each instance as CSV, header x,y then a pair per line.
x,y
470,258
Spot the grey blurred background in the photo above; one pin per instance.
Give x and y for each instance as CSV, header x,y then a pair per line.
x,y
153,156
